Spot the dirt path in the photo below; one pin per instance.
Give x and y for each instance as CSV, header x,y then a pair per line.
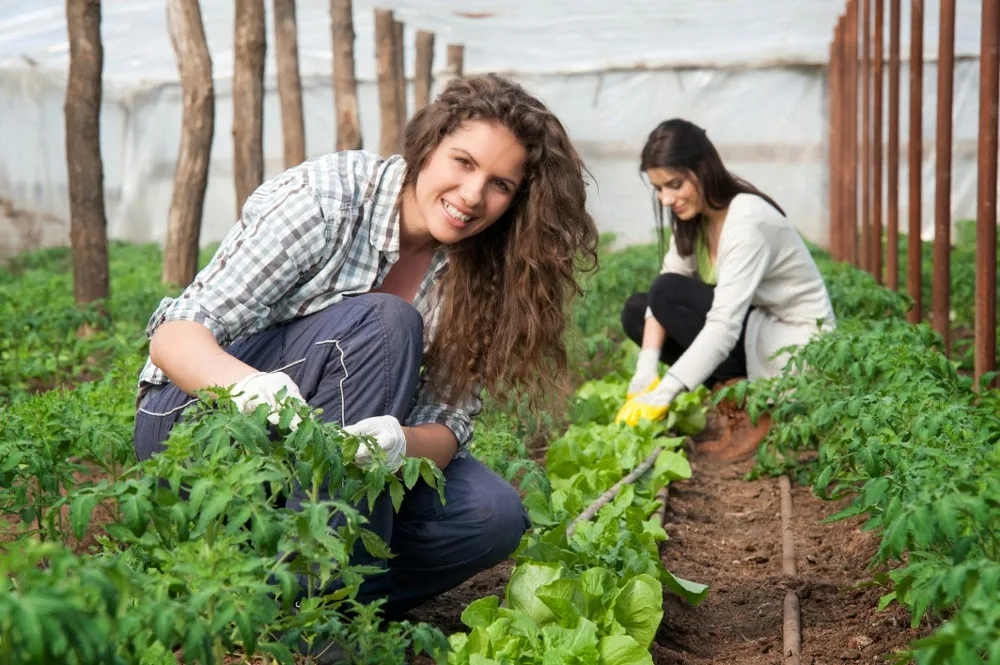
x,y
725,532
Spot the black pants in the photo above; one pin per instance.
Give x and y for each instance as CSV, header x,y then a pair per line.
x,y
680,304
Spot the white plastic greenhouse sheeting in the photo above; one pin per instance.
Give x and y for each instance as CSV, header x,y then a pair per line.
x,y
750,72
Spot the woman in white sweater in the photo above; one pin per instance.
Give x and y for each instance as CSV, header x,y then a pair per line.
x,y
737,282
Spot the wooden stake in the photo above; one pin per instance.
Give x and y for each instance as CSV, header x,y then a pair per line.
x,y
875,244
942,176
286,46
892,215
345,85
986,205
915,159
400,52
866,135
851,131
388,85
456,61
194,62
82,115
424,65
248,99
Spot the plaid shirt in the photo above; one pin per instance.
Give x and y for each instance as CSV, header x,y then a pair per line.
x,y
317,233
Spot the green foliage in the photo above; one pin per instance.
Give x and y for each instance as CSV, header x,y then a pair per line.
x,y
875,411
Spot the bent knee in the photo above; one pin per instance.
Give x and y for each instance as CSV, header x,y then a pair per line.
x,y
394,311
669,287
504,521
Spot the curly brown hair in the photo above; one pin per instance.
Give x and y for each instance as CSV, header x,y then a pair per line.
x,y
505,296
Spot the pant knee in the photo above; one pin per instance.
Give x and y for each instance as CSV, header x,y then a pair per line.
x,y
668,287
505,525
400,320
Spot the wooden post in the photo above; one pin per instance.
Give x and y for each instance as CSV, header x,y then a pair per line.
x,y
456,61
423,78
892,216
399,50
286,47
833,88
942,175
388,85
915,160
194,62
345,84
82,115
875,244
986,199
851,110
866,135
248,99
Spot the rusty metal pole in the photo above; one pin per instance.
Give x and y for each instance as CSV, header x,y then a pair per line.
x,y
878,55
915,160
942,175
833,91
851,130
866,136
986,204
840,147
892,212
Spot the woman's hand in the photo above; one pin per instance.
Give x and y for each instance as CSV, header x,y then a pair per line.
x,y
652,405
389,436
263,388
647,373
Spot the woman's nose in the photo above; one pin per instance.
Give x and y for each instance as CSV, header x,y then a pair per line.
x,y
666,199
472,192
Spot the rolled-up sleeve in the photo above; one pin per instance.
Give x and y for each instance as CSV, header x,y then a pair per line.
x,y
430,407
280,235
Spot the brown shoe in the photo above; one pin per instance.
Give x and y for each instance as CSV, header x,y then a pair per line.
x,y
740,438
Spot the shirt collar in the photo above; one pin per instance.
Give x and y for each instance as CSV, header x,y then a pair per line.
x,y
384,233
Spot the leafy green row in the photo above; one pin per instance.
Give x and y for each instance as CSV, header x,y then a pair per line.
x,y
594,597
894,424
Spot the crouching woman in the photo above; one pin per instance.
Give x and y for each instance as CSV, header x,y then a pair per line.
x,y
389,293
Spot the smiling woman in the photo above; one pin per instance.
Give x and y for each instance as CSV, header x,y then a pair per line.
x,y
344,270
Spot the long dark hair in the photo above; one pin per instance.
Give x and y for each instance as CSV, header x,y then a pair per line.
x,y
684,146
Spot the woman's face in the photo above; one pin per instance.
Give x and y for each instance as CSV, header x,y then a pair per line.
x,y
679,191
467,183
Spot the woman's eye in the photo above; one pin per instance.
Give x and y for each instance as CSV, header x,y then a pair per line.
x,y
501,185
463,161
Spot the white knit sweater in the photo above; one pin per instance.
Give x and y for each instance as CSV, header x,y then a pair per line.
x,y
761,262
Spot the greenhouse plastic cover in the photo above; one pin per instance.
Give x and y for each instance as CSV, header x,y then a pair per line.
x,y
752,72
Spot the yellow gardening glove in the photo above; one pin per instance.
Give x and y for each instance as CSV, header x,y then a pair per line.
x,y
635,410
652,405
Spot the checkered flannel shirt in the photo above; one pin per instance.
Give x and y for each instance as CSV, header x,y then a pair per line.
x,y
309,237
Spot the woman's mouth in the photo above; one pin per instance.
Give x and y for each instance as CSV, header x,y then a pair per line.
x,y
454,216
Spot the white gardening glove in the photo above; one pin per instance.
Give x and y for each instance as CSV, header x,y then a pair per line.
x,y
663,394
388,434
262,388
647,373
